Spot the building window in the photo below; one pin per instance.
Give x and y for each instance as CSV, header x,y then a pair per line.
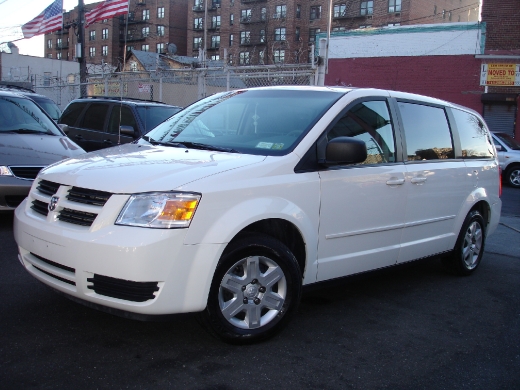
x,y
230,59
262,36
315,12
133,66
145,47
281,11
298,11
244,58
263,14
104,33
49,44
215,57
261,57
312,34
47,77
59,43
160,48
197,24
340,10
160,12
197,43
231,19
146,14
92,36
49,55
367,8
394,5
92,51
340,28
104,51
104,21
160,31
245,15
279,56
297,34
245,37
215,41
58,56
279,34
231,36
215,22
129,48
145,31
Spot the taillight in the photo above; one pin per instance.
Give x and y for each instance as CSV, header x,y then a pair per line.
x,y
499,182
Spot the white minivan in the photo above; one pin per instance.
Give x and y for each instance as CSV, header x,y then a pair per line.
x,y
233,204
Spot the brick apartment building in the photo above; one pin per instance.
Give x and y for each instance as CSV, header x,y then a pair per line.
x,y
153,25
282,31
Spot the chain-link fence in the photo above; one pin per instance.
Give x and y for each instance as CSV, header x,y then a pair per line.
x,y
179,87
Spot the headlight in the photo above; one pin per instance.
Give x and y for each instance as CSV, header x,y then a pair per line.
x,y
5,171
163,210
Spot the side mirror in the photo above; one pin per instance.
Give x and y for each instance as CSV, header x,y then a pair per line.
x,y
498,147
344,150
127,130
64,128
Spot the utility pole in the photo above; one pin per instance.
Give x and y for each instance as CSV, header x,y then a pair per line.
x,y
80,49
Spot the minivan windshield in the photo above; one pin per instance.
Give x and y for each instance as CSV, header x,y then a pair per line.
x,y
21,115
262,122
49,106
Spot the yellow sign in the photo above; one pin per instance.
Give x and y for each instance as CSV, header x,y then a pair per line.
x,y
114,89
503,75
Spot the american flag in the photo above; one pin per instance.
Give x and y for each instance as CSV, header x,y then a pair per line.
x,y
51,19
106,10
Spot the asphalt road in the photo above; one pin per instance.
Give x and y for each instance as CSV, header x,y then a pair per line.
x,y
407,327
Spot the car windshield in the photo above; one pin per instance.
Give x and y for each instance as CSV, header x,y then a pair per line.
x,y
508,140
262,122
23,115
49,106
153,115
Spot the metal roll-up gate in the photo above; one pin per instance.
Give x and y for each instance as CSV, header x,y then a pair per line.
x,y
500,117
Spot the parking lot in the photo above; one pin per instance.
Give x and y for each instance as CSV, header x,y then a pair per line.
x,y
408,327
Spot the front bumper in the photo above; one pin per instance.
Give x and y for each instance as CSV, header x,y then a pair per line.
x,y
105,264
13,191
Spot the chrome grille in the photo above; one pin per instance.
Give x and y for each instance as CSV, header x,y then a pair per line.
x,y
47,187
77,217
29,173
40,207
84,195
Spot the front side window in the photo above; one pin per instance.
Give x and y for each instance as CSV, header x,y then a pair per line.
x,y
121,116
367,8
474,138
94,118
427,133
369,122
394,6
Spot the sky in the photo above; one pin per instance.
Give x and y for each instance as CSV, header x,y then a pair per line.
x,y
14,13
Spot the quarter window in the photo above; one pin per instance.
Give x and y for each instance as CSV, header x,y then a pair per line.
x,y
426,131
369,122
474,139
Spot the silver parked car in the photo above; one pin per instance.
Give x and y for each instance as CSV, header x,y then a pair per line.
x,y
29,141
508,150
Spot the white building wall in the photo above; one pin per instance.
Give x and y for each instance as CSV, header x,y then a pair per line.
x,y
415,40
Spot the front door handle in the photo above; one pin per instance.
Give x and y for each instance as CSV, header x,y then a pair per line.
x,y
418,180
108,142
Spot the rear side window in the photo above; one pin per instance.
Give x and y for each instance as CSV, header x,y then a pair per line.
x,y
94,117
71,114
474,139
370,123
427,132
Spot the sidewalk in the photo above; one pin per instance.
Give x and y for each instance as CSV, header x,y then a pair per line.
x,y
506,239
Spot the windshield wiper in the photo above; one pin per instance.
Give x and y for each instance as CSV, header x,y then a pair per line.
x,y
28,131
193,145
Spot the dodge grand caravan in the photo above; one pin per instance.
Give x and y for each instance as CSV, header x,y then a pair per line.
x,y
232,205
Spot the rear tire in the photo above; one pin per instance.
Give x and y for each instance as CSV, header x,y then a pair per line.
x,y
513,176
255,290
469,248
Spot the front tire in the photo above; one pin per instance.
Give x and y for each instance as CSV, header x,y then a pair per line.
x,y
469,248
255,290
513,176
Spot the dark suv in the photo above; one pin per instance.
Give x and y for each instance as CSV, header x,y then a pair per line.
x,y
100,122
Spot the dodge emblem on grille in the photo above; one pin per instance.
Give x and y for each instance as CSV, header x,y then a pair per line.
x,y
53,202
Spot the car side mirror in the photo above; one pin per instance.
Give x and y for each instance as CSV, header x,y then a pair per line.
x,y
498,148
127,130
64,128
344,150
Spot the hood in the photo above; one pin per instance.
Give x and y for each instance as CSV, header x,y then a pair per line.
x,y
35,149
134,168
